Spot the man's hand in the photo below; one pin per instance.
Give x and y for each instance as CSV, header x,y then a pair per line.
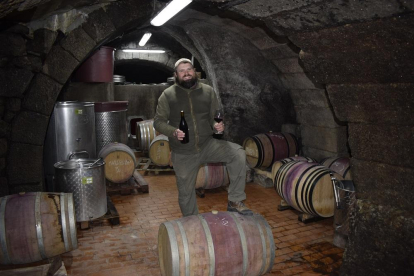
x,y
179,134
219,127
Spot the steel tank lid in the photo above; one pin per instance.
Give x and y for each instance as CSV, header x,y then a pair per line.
x,y
73,104
79,163
111,106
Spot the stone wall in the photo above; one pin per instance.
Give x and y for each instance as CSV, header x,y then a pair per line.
x,y
34,66
370,88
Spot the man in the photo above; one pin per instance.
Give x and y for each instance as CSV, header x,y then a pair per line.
x,y
199,102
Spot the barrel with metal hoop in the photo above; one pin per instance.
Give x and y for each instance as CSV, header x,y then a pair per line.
x,y
307,187
262,150
216,243
340,165
159,151
276,166
212,175
36,226
120,162
145,134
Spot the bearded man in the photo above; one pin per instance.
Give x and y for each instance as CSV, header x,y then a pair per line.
x,y
199,102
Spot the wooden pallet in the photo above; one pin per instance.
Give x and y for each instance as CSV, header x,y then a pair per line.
x,y
134,185
145,164
111,215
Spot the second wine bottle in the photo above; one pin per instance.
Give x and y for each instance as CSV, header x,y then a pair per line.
x,y
184,128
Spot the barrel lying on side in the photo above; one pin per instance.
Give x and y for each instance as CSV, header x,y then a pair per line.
x,y
225,243
36,226
145,134
120,162
262,150
340,165
276,165
212,175
307,187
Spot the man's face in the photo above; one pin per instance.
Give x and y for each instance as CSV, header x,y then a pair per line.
x,y
185,75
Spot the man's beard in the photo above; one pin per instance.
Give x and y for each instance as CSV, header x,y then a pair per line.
x,y
187,83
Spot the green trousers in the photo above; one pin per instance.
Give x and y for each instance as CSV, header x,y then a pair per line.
x,y
186,168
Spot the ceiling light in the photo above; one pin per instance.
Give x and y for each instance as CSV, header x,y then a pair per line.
x,y
144,39
169,11
143,51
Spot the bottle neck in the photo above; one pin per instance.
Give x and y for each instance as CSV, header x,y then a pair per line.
x,y
182,114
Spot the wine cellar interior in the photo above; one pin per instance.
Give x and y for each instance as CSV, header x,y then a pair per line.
x,y
332,79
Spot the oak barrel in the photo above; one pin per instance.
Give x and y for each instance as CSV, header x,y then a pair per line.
x,y
212,175
36,226
120,162
220,243
159,151
307,187
276,165
262,150
145,132
340,165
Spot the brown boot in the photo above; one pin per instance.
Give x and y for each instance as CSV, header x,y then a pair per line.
x,y
239,207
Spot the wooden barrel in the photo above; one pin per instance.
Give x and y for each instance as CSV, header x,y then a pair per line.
x,y
36,226
212,175
340,165
225,243
276,165
262,150
120,162
159,151
145,134
307,187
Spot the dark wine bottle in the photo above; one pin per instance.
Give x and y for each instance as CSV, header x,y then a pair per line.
x,y
184,128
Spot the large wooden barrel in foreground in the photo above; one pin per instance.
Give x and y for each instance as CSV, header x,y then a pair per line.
x,y
307,187
340,165
145,134
36,226
225,243
212,175
159,151
120,162
262,150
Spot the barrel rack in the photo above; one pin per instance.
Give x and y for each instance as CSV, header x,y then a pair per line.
x,y
111,215
145,164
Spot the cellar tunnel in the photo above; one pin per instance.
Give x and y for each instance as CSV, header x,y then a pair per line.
x,y
337,74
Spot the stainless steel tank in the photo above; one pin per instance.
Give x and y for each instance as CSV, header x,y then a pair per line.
x,y
85,178
70,135
110,123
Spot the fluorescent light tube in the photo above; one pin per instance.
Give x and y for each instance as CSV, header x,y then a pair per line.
x,y
169,11
145,39
143,51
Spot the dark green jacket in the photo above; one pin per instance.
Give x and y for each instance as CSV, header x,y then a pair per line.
x,y
199,105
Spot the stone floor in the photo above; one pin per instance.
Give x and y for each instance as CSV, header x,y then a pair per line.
x,y
131,247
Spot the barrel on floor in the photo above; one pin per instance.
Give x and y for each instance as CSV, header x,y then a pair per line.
x,y
212,175
307,187
36,226
262,150
224,243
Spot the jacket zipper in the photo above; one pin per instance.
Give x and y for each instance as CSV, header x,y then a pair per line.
x,y
194,122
